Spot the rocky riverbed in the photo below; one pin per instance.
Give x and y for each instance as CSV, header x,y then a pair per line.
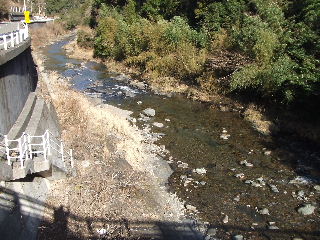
x,y
238,183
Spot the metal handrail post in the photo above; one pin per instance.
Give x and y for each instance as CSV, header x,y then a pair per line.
x,y
30,147
7,149
20,152
44,147
5,45
48,142
11,39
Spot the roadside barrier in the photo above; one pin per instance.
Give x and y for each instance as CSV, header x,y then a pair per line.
x,y
13,38
27,147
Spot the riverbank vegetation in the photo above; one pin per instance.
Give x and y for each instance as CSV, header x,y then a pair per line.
x,y
279,41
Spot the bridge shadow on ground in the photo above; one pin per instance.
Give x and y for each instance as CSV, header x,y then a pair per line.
x,y
22,217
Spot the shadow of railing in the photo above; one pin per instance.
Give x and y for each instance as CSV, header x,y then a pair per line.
x,y
22,217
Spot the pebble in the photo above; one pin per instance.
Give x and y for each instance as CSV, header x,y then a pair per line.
x,y
157,124
264,211
237,198
225,136
297,238
149,112
306,209
274,188
212,232
183,165
191,208
102,231
239,175
225,219
167,120
237,237
203,183
200,171
139,102
273,227
247,164
267,153
317,188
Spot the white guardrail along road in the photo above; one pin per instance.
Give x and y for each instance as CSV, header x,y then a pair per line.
x,y
11,37
27,147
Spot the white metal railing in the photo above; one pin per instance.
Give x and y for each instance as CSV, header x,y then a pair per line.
x,y
20,151
11,39
27,147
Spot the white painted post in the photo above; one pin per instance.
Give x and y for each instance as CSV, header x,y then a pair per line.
x,y
20,151
21,34
44,145
48,142
30,147
12,39
6,142
17,37
26,145
5,45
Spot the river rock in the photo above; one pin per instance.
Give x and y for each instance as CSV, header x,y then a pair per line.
x,y
191,208
274,188
157,124
239,175
306,209
247,164
138,84
183,165
267,153
225,219
317,188
237,198
149,112
200,171
211,232
272,227
224,136
237,237
102,231
264,211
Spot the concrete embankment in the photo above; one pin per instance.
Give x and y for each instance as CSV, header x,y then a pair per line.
x,y
18,77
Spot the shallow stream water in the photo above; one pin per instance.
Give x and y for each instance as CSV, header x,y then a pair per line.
x,y
222,166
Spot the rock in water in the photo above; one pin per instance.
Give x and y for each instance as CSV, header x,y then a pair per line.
x,y
317,188
306,209
264,211
237,237
157,124
225,219
149,112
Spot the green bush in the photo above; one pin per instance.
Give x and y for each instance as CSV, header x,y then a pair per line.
x,y
281,39
85,39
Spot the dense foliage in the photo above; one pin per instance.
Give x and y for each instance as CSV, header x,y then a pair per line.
x,y
174,38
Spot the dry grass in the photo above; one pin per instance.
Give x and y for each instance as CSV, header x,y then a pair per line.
x,y
107,189
43,35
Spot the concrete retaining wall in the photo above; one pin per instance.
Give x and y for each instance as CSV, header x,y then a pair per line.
x,y
18,77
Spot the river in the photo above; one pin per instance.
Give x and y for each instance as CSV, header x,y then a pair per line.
x,y
234,178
